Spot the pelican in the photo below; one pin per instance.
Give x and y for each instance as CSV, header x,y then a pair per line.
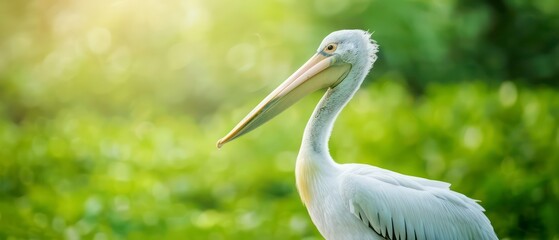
x,y
358,201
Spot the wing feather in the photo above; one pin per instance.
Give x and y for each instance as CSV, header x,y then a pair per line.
x,y
398,206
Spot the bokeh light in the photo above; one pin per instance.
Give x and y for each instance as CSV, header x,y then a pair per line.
x,y
110,110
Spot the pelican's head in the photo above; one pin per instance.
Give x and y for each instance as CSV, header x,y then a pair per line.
x,y
352,46
340,53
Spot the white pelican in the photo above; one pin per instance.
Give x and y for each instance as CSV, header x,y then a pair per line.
x,y
357,201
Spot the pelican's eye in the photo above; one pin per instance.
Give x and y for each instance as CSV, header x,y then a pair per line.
x,y
330,48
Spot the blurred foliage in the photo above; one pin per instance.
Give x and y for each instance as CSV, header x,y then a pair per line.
x,y
109,112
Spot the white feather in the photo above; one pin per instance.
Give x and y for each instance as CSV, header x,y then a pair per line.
x,y
361,202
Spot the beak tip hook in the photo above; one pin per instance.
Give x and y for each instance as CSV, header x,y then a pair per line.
x,y
219,143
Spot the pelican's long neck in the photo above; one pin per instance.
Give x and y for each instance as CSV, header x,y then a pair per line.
x,y
314,158
320,125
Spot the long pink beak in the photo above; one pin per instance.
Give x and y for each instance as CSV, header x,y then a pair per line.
x,y
318,72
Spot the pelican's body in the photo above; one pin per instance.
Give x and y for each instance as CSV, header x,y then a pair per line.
x,y
356,201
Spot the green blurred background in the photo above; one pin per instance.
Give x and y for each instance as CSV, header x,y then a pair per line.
x,y
110,110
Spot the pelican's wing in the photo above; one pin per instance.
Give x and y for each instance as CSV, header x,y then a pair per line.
x,y
398,206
